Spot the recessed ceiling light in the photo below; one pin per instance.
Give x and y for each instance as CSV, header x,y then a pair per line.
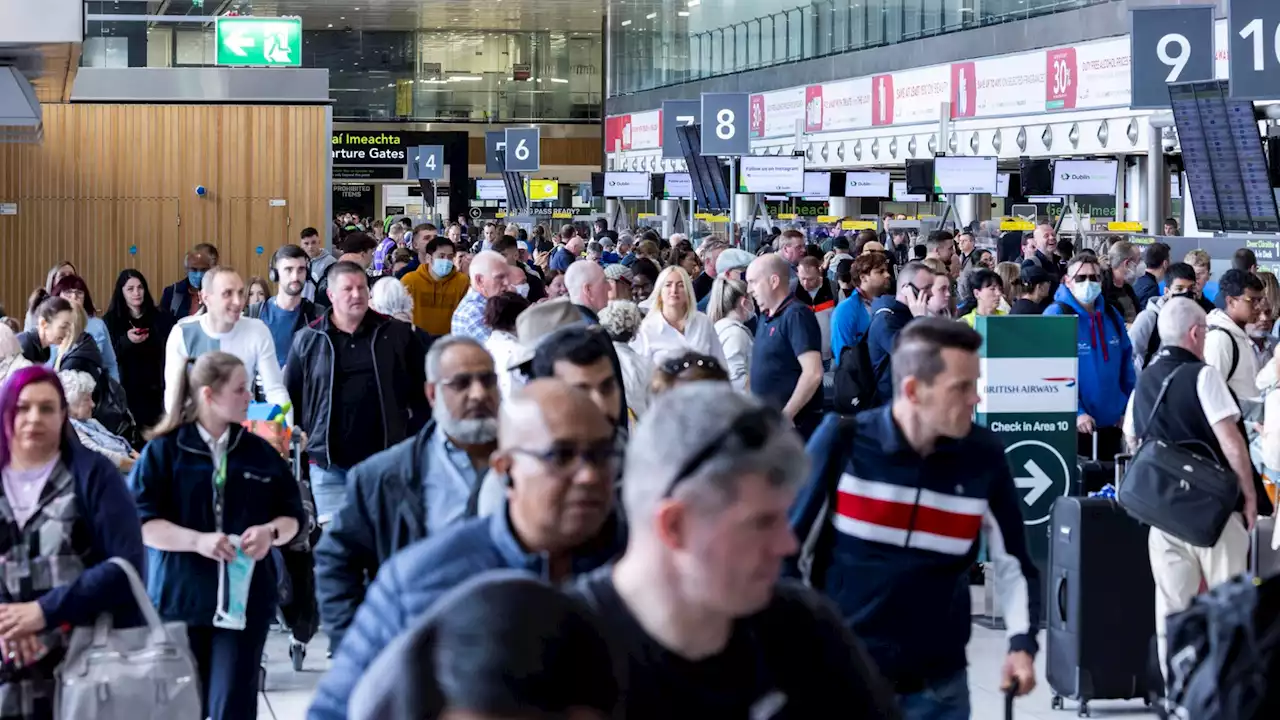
x,y
343,17
694,3
651,16
330,24
626,23
682,13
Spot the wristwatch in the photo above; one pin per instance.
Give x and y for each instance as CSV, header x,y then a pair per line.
x,y
275,532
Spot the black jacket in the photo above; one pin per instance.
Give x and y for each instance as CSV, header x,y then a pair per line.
x,y
399,365
385,511
1145,288
85,357
176,299
32,350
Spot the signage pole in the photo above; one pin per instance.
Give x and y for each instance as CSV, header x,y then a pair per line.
x,y
733,197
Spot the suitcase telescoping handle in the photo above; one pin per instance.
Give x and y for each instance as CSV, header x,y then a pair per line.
x,y
1095,444
1122,464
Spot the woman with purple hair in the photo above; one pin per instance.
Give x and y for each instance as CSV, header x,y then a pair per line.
x,y
64,512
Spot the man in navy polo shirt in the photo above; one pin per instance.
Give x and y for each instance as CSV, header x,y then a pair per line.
x,y
786,360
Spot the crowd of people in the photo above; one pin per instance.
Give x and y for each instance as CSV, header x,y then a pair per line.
x,y
490,413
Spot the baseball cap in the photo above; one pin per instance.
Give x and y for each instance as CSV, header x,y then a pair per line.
x,y
1033,275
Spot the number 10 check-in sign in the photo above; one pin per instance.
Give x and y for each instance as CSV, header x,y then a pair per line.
x,y
1168,45
725,119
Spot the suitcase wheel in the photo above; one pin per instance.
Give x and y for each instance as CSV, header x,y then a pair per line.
x,y
1056,703
1083,710
297,653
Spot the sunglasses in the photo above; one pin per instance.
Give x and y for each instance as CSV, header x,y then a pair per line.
x,y
463,381
751,430
1087,278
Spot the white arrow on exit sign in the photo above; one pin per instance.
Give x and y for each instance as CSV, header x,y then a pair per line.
x,y
237,42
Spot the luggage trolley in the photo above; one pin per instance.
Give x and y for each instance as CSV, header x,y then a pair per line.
x,y
295,564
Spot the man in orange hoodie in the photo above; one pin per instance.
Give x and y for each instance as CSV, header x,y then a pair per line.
x,y
436,286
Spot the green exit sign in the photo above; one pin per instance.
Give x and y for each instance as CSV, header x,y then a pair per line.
x,y
259,41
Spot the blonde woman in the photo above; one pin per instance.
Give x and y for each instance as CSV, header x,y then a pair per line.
x,y
729,309
674,327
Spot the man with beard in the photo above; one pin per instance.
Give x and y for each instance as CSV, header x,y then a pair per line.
x,y
289,311
558,459
417,488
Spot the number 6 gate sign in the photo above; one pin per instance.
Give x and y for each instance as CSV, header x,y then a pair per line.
x,y
725,121
1168,45
523,149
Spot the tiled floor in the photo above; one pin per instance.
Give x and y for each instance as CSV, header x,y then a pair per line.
x,y
290,692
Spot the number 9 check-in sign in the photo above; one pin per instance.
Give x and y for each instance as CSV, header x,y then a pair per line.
x,y
726,124
1168,45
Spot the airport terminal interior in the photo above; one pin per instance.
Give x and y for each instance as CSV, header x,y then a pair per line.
x,y
659,359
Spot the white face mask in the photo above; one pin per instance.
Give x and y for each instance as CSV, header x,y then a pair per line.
x,y
522,290
1086,292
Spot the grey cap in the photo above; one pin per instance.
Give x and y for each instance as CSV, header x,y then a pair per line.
x,y
539,321
618,271
733,259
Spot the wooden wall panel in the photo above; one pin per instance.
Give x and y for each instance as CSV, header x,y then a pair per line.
x,y
108,177
555,151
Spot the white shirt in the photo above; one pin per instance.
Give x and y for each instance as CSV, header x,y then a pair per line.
x,y
501,345
1215,400
737,343
218,445
249,339
1218,353
660,342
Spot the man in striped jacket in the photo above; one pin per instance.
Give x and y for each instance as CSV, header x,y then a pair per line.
x,y
913,483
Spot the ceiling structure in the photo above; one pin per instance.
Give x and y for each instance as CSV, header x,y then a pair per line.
x,y
375,15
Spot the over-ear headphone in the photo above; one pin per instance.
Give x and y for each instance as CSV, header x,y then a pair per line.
x,y
272,274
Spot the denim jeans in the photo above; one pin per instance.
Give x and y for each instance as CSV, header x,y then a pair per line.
x,y
944,700
329,486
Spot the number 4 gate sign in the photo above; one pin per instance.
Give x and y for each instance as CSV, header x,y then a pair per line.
x,y
1028,398
1168,45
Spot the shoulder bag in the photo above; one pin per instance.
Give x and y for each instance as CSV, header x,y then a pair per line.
x,y
1177,491
143,673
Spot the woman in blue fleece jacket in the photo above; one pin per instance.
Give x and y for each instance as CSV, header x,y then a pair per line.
x,y
1105,371
66,512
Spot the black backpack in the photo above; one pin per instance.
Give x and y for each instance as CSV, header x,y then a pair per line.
x,y
1224,651
856,379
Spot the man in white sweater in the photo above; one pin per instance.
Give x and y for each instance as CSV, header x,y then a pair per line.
x,y
223,328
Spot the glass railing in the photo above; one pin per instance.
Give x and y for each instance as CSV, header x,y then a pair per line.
x,y
390,75
659,49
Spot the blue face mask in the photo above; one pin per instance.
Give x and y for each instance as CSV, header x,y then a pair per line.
x,y
195,277
441,267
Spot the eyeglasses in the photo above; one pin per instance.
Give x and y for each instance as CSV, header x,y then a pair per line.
x,y
565,460
751,429
463,381
1087,278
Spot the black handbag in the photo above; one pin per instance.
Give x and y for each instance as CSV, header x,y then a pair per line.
x,y
1176,490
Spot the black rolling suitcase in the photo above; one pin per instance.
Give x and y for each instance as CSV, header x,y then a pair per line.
x,y
1264,561
1101,604
1094,473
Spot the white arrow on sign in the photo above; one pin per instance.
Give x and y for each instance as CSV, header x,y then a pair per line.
x,y
1038,483
237,42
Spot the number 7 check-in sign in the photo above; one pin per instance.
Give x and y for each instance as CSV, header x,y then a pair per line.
x,y
676,113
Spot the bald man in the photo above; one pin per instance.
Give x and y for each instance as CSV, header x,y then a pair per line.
x,y
786,359
555,447
1045,257
587,286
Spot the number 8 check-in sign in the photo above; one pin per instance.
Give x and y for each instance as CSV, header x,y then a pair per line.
x,y
726,124
1168,45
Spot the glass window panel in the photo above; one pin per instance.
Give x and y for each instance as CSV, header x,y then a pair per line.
x,y
740,40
